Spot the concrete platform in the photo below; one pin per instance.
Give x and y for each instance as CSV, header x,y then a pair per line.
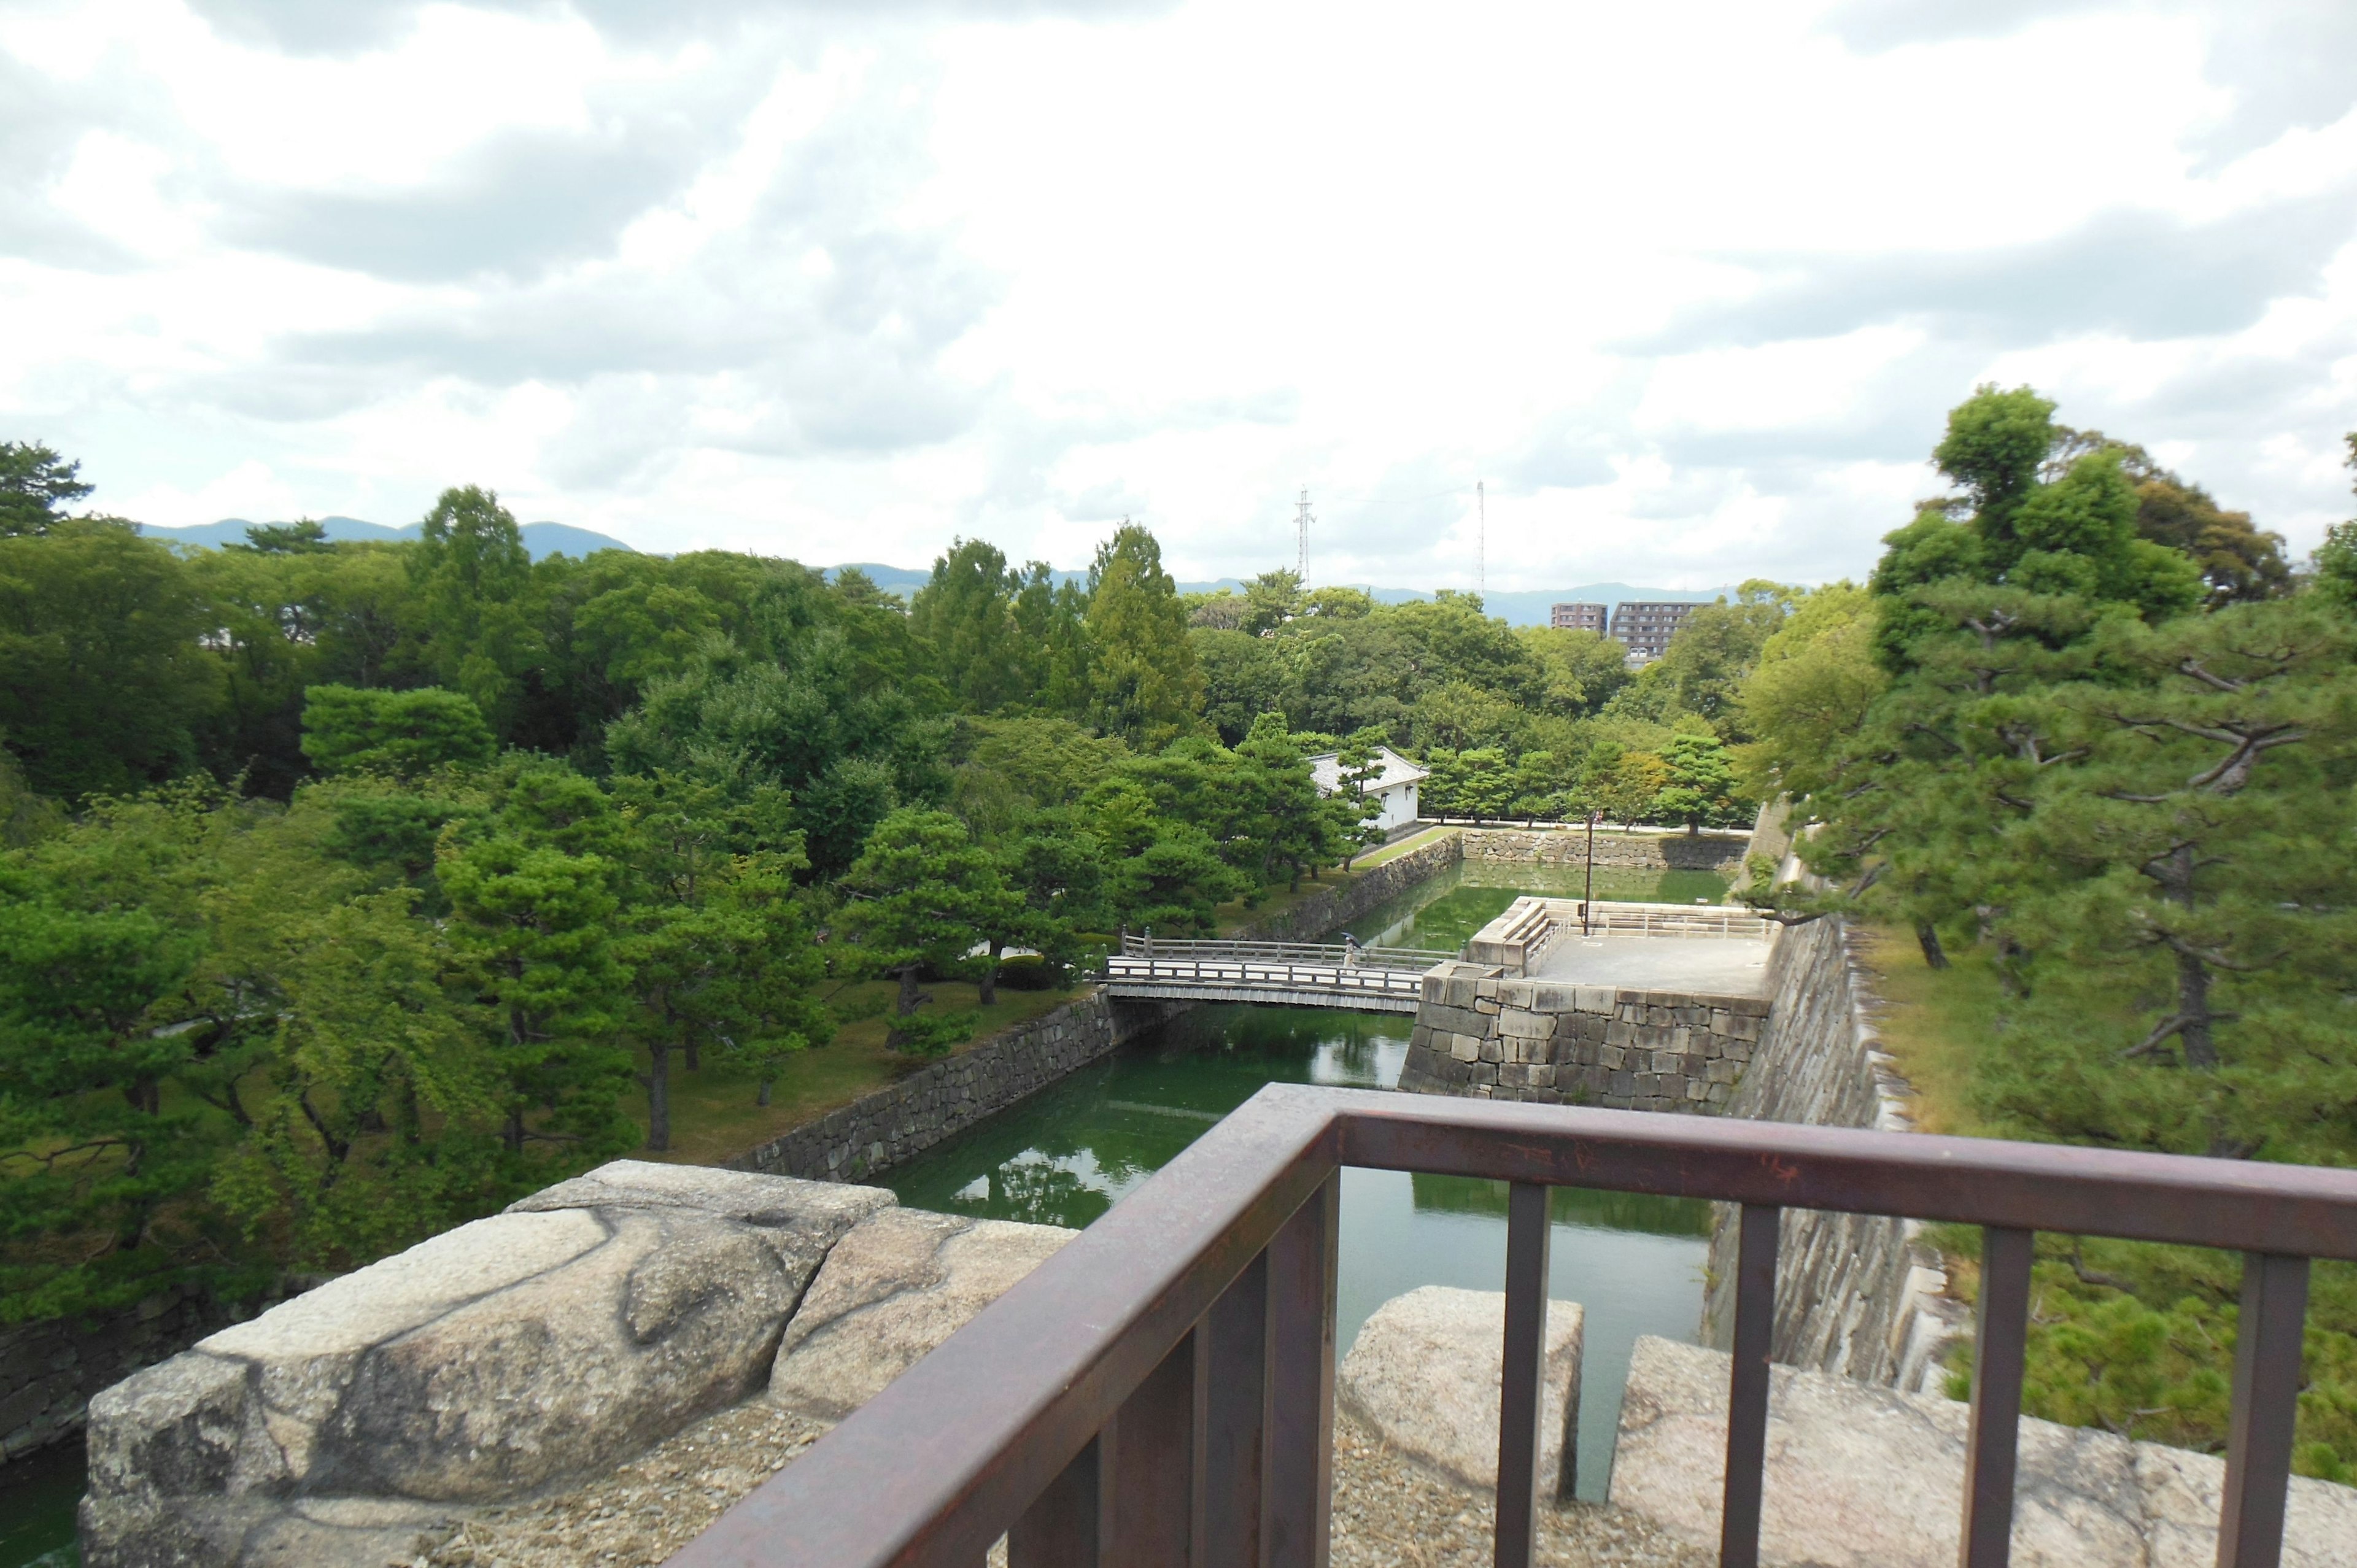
x,y
1717,966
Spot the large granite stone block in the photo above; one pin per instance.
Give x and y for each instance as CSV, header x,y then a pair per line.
x,y
541,1345
1424,1374
1864,1476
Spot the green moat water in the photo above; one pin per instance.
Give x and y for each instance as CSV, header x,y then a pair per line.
x,y
1063,1157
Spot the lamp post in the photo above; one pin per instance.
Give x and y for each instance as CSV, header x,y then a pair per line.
x,y
1588,896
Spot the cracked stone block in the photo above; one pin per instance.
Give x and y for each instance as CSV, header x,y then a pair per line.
x,y
530,1348
899,1285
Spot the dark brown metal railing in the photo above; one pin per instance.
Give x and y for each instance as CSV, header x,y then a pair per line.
x,y
1160,1392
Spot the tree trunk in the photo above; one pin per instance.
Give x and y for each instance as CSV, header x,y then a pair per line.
x,y
908,1000
692,1054
658,1082
987,992
763,1097
1934,955
2194,1018
512,1134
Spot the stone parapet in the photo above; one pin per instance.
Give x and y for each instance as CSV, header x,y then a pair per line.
x,y
1485,1034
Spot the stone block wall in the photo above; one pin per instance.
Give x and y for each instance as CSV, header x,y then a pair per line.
x,y
1857,1295
878,1131
1718,851
48,1371
1345,901
1482,1034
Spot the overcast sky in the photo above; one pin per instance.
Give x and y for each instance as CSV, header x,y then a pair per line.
x,y
1690,286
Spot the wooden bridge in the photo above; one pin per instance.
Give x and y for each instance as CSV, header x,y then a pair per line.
x,y
1297,974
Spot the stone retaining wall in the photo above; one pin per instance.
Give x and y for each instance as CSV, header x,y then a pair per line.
x,y
1481,1035
1857,1294
49,1371
1722,852
878,1131
1345,901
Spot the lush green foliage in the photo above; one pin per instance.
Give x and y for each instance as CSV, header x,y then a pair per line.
x,y
2077,718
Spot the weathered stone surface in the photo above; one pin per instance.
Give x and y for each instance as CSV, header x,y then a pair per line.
x,y
899,1285
1424,1375
536,1346
1859,1476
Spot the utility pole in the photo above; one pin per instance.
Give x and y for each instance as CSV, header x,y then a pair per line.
x,y
1301,532
1480,538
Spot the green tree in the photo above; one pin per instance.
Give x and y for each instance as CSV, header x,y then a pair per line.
x,y
347,730
1357,810
470,579
965,615
1271,599
1143,680
1706,664
374,1125
533,892
923,894
103,683
1291,824
36,485
720,951
1809,691
1701,783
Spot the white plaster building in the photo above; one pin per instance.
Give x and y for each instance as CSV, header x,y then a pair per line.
x,y
1395,790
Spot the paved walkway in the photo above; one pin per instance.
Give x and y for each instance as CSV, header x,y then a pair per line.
x,y
1722,966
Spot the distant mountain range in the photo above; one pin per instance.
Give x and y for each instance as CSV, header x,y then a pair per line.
x,y
546,539
1531,608
542,539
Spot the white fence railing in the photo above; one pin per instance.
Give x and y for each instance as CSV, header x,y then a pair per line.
x,y
1238,974
1312,954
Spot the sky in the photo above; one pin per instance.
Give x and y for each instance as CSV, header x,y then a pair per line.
x,y
1686,290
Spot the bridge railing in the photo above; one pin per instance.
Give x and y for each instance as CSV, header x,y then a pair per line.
x,y
1161,1390
1264,974
1305,954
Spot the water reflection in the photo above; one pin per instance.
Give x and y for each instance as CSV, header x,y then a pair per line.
x,y
1069,1153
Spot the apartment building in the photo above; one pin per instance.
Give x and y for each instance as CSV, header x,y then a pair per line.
x,y
1648,628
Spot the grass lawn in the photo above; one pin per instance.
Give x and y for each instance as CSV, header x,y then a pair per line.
x,y
1933,1021
714,1117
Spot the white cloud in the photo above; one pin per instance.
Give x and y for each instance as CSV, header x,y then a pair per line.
x,y
1691,288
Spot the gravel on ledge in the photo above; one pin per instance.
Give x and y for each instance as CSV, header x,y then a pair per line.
x,y
1389,1511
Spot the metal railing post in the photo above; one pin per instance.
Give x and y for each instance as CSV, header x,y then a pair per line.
x,y
1990,1452
1153,1444
1760,1227
1230,1410
2268,1340
1066,1525
1296,1481
1522,1372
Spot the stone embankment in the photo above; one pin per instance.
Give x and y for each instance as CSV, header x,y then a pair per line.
x,y
1860,1294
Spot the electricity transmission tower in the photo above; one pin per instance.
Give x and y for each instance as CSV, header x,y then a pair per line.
x,y
1480,538
1301,533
